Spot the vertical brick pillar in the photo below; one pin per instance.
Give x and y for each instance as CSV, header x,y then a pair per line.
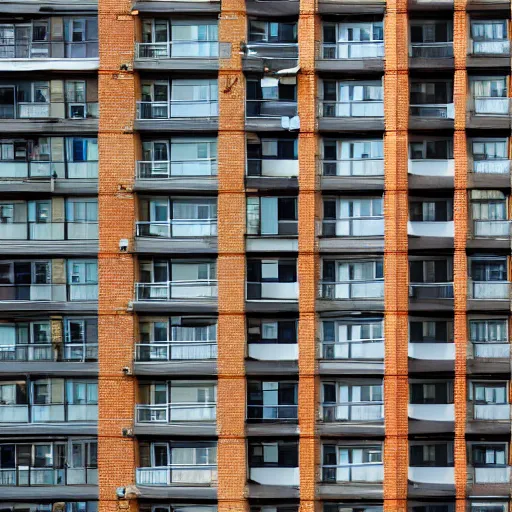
x,y
116,204
460,272
396,267
231,265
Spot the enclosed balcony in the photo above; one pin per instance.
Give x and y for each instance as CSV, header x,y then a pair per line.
x,y
431,163
490,163
488,505
430,280
489,44
272,339
352,218
177,224
36,465
431,44
431,467
490,99
178,105
271,44
488,281
180,345
272,161
178,44
275,463
176,407
431,346
489,400
490,217
350,105
490,466
490,347
431,408
431,104
352,470
178,464
272,223
168,284
346,46
430,223
178,163
273,281
352,164
37,46
69,505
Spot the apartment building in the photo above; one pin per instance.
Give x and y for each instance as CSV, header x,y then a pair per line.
x,y
255,255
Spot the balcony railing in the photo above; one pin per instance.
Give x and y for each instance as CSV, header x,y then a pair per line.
x,y
489,290
354,349
78,352
27,110
432,167
49,292
491,411
352,108
353,50
272,412
492,106
371,289
432,351
491,350
177,50
197,289
441,229
49,231
289,51
11,49
177,474
361,167
175,351
270,108
272,168
431,50
36,476
178,228
432,474
172,413
354,226
349,411
492,166
48,413
431,290
160,110
442,111
368,472
432,412
165,169
500,475
36,169
272,291
491,47
492,228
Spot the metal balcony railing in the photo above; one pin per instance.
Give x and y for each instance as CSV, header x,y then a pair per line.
x,y
492,166
288,51
431,290
12,49
175,351
165,169
49,231
27,476
49,292
369,289
366,167
78,352
353,50
442,111
177,50
180,474
179,109
492,106
33,110
196,290
489,290
365,472
172,413
177,228
492,228
353,349
272,412
350,411
353,226
431,50
367,108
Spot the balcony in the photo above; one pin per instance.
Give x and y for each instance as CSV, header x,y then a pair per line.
x,y
39,352
190,55
432,351
491,350
177,475
430,56
353,349
160,352
489,290
283,169
351,115
59,170
438,168
352,290
443,478
353,412
282,413
272,291
491,412
274,56
488,167
427,295
28,476
48,413
431,116
492,228
275,476
267,114
491,475
353,473
490,47
356,56
432,412
492,106
354,168
430,229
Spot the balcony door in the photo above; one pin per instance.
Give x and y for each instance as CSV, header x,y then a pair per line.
x,y
7,102
82,462
360,99
194,98
155,100
83,279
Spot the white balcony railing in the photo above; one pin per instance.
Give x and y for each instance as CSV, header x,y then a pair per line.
x,y
434,229
354,226
353,349
489,290
177,50
198,289
492,106
161,110
272,291
41,476
432,475
166,169
491,411
178,228
360,167
371,289
432,167
492,228
273,351
171,413
175,351
352,108
492,475
490,47
354,50
431,50
275,476
432,412
350,411
177,474
272,168
491,166
432,351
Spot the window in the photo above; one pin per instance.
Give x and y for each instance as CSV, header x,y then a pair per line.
x,y
431,393
431,455
273,454
489,88
431,93
488,331
489,270
431,149
431,331
489,393
271,331
80,149
431,211
489,149
82,392
425,32
76,99
489,30
493,455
